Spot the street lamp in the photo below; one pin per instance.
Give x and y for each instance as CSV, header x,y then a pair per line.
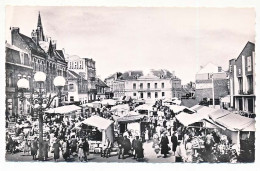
x,y
40,77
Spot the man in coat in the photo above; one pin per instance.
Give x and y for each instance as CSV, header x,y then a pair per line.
x,y
164,145
174,141
125,147
85,149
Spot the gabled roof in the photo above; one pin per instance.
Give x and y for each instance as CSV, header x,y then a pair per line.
x,y
36,49
247,50
209,68
76,75
100,83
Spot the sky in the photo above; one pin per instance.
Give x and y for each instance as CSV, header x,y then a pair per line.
x,y
120,39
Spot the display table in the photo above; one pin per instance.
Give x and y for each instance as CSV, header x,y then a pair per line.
x,y
95,146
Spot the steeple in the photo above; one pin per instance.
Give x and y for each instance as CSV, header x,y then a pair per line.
x,y
39,29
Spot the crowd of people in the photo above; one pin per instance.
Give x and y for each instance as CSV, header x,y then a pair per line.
x,y
162,129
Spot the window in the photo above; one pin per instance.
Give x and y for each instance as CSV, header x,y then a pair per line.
x,y
141,85
22,57
72,98
134,94
156,94
163,94
141,95
155,85
230,68
134,86
148,85
71,86
249,68
162,85
80,64
75,65
149,95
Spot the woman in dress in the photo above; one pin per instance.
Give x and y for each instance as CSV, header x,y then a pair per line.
x,y
156,144
56,149
164,145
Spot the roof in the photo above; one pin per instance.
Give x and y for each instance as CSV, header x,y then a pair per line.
x,y
162,72
75,74
100,83
130,75
188,119
209,68
36,49
247,50
99,122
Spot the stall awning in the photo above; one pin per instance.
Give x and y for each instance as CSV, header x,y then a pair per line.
x,y
188,119
235,122
177,109
144,107
197,107
88,105
64,109
120,107
110,102
130,118
218,114
97,121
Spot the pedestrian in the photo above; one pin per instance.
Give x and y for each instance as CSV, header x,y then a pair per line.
x,y
56,149
164,145
85,149
73,145
139,149
34,148
125,147
189,151
80,150
45,149
106,148
26,148
174,141
134,146
146,135
65,149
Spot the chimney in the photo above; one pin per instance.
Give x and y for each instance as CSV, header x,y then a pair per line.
x,y
14,30
219,68
173,73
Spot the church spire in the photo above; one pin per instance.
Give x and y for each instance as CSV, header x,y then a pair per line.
x,y
39,29
39,24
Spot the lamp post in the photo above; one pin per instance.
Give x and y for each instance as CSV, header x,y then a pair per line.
x,y
40,78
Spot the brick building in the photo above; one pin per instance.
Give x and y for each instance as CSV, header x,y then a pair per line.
x,y
43,57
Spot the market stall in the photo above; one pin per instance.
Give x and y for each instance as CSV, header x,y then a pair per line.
x,y
177,109
98,130
108,102
144,109
120,110
65,111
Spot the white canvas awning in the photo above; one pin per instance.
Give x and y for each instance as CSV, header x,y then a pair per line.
x,y
110,102
64,109
177,109
218,114
97,121
144,107
236,122
188,119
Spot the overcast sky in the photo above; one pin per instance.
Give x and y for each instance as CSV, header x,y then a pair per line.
x,y
122,39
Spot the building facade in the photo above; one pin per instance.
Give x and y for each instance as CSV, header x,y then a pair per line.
x,y
43,56
242,80
208,77
157,84
110,82
87,68
18,64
